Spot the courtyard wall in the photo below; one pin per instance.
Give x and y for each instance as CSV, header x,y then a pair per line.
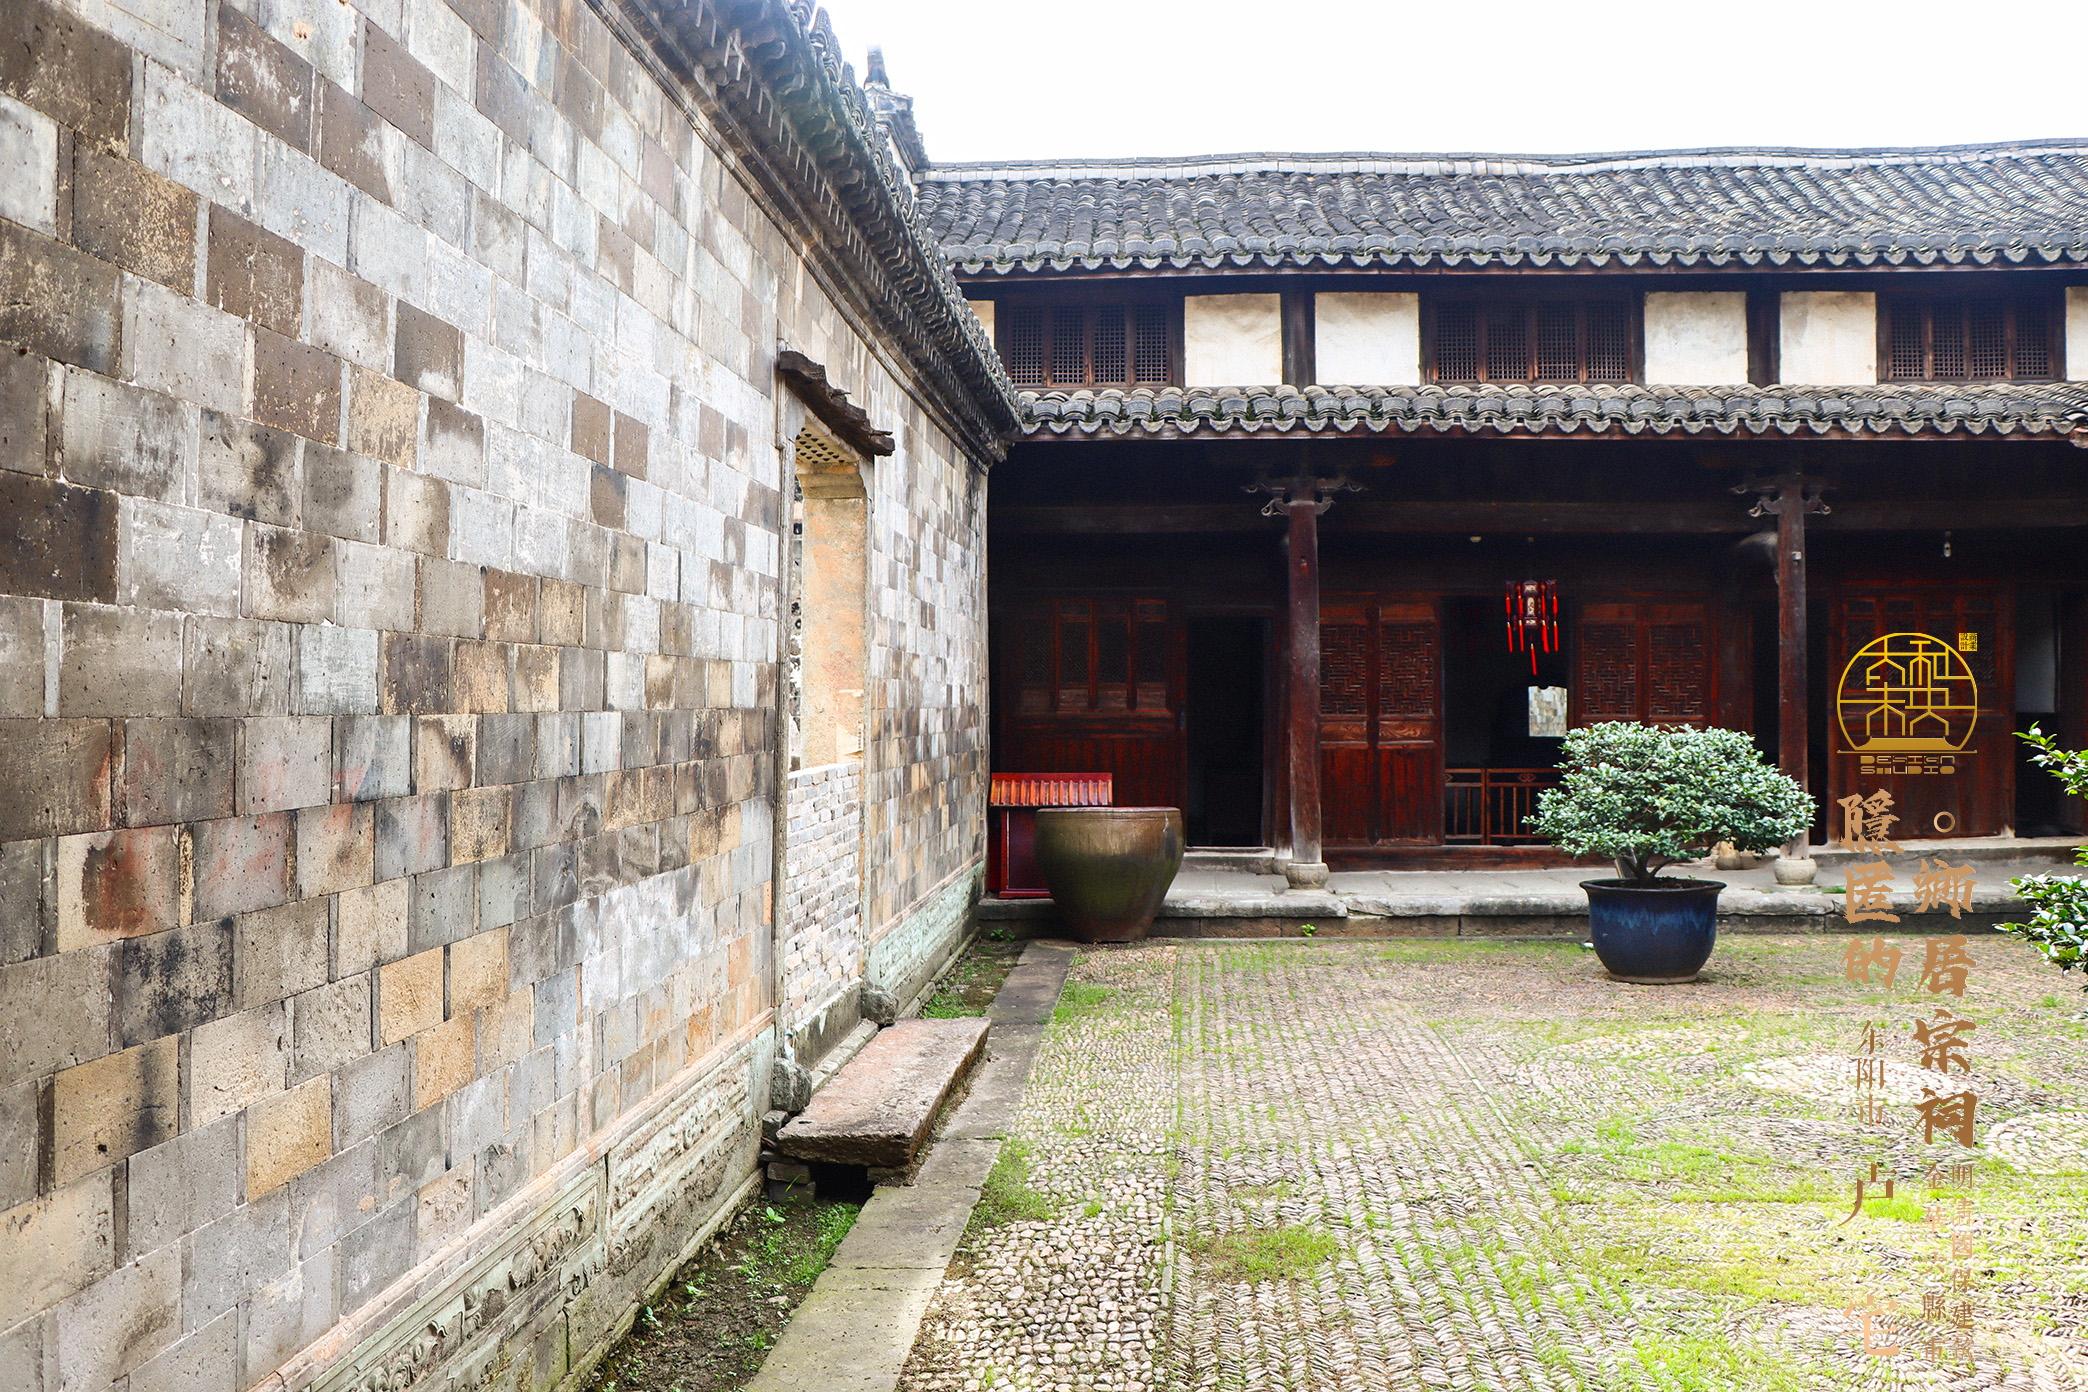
x,y
389,673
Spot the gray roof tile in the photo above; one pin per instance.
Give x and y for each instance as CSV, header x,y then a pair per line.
x,y
1994,204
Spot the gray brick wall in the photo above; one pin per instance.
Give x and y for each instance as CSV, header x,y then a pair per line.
x,y
388,688
822,891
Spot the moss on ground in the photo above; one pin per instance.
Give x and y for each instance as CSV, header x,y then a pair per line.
x,y
973,978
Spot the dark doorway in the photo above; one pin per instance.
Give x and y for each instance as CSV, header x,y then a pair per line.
x,y
2040,661
1500,749
1227,672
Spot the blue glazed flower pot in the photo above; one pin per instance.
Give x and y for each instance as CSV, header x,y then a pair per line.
x,y
1655,934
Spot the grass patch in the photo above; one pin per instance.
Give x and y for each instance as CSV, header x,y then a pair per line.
x,y
1713,1363
783,1256
1008,1196
1682,1171
1079,1000
1260,1256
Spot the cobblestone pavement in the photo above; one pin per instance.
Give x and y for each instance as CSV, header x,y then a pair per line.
x,y
1458,1164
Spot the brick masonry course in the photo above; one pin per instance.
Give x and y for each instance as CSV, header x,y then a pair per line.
x,y
388,687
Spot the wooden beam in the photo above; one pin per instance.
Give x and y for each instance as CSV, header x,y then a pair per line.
x,y
1435,517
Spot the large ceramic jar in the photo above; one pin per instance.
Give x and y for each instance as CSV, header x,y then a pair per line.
x,y
1108,868
1654,934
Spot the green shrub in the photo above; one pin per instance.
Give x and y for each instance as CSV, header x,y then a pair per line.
x,y
1646,797
2058,925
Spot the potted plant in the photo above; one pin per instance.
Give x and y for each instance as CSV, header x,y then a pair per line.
x,y
1647,797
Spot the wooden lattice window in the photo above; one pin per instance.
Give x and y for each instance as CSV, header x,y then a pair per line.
x,y
1967,338
1095,345
1093,655
1644,661
1533,340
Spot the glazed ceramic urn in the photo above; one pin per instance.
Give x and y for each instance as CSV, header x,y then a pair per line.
x,y
1108,868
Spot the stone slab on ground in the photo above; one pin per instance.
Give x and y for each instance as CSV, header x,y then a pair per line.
x,y
878,1109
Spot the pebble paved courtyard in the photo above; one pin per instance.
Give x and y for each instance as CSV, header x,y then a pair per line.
x,y
1459,1164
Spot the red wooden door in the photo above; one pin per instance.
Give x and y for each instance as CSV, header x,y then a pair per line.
x,y
1644,660
1940,739
1381,698
1093,685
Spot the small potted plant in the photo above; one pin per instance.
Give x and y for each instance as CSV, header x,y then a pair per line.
x,y
1648,797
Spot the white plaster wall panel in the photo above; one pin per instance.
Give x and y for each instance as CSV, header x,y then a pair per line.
x,y
1696,338
1367,339
1232,341
984,310
1828,337
2077,333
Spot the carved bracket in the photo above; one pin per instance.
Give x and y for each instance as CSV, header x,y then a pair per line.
x,y
1283,493
1772,495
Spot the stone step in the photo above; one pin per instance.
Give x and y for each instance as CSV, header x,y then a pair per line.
x,y
877,1110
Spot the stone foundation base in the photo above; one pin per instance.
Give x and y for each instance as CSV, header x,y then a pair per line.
x,y
541,1288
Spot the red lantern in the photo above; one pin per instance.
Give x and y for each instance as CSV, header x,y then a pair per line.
x,y
1532,607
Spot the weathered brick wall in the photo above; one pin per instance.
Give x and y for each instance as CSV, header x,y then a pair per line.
x,y
822,893
388,686
926,806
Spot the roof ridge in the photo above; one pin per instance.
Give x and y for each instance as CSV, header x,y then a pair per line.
x,y
1480,162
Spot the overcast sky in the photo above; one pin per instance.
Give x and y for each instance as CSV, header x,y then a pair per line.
x,y
993,79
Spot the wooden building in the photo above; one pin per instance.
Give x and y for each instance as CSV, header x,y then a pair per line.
x,y
1347,482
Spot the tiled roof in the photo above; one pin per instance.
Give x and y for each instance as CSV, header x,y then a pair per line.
x,y
2005,204
2047,411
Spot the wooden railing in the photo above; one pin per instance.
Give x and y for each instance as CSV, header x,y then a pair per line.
x,y
1491,806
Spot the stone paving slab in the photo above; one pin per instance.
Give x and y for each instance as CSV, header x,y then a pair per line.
x,y
877,1110
854,1330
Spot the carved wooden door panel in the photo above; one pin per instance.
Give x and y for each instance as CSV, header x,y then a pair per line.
x,y
1347,796
1962,783
1092,684
1653,662
1381,694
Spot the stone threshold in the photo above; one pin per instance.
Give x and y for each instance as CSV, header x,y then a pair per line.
x,y
854,1331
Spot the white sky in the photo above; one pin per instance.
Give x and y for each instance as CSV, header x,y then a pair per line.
x,y
993,79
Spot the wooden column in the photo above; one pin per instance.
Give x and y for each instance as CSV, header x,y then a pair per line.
x,y
1788,499
1307,866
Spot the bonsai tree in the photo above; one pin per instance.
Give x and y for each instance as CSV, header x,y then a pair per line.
x,y
2058,925
1648,796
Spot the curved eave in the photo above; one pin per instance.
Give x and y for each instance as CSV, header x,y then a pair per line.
x,y
1250,414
